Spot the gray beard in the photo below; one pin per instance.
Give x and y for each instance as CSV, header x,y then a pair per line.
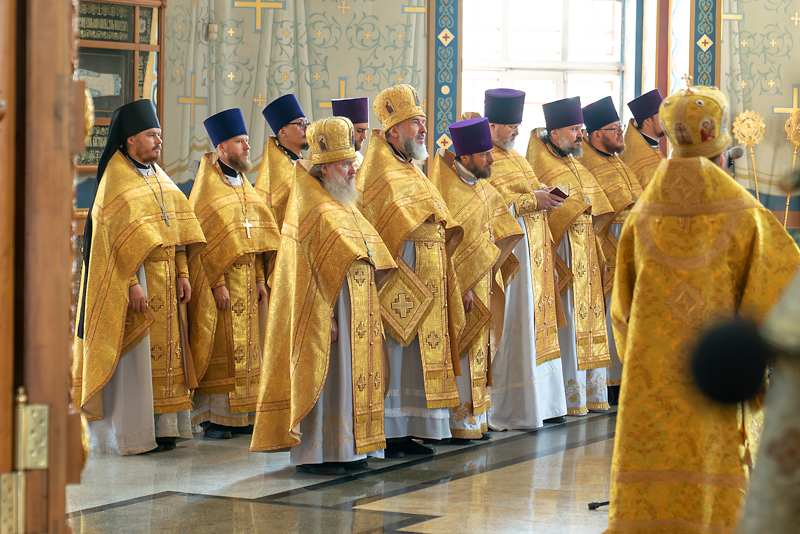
x,y
414,150
566,147
508,145
343,192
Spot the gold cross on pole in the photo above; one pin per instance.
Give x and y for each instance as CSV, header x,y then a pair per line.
x,y
795,102
259,5
192,101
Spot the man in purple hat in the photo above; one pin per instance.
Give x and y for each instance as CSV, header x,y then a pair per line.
x,y
585,214
275,178
619,183
642,153
225,330
490,233
528,380
357,110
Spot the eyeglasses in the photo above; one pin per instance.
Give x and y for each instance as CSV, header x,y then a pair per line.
x,y
301,124
615,129
512,127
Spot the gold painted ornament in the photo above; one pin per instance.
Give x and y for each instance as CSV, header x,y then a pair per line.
x,y
793,135
748,128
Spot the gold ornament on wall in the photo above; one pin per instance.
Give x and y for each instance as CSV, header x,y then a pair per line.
x,y
793,135
748,128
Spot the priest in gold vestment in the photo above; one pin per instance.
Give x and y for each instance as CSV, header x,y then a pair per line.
x,y
276,175
696,248
422,308
131,370
323,375
576,228
527,376
642,153
600,157
225,332
483,264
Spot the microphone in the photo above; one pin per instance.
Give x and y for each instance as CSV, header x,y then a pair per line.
x,y
735,152
729,361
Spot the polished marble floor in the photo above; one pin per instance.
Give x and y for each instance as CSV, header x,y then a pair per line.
x,y
535,481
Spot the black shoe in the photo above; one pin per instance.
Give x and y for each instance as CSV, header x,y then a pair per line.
x,y
167,444
393,453
330,468
355,465
240,430
461,441
613,395
556,420
407,446
217,432
431,441
158,448
485,436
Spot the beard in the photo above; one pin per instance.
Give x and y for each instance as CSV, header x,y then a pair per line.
x,y
304,146
508,145
240,163
565,146
480,174
342,189
413,149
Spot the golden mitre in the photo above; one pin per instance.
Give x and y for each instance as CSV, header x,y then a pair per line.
x,y
695,120
396,104
330,140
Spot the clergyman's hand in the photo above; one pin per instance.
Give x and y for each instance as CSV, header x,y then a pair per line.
x,y
137,299
547,201
334,330
262,292
469,301
222,297
184,290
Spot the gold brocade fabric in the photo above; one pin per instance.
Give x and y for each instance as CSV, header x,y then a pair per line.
x,y
622,189
642,158
322,245
697,247
128,227
275,179
239,227
513,176
585,194
403,205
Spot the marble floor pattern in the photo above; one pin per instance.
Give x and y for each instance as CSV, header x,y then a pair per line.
x,y
521,481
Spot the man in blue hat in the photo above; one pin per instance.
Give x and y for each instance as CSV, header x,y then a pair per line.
x,y
584,215
528,380
275,178
357,110
135,283
490,233
225,329
621,187
642,153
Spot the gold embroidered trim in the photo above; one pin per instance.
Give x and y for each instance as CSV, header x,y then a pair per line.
x,y
679,477
706,208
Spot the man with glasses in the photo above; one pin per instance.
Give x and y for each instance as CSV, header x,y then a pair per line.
x,y
422,306
586,213
622,189
275,178
528,380
642,153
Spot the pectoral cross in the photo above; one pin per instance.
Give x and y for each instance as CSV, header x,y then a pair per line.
x,y
248,225
164,215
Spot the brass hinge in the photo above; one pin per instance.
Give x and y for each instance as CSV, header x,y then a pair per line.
x,y
32,452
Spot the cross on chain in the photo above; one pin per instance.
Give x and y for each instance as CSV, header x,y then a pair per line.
x,y
247,224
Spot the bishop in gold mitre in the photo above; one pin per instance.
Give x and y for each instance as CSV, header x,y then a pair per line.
x,y
576,228
276,175
527,377
483,264
600,157
323,376
642,153
227,327
422,308
357,110
696,248
132,370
